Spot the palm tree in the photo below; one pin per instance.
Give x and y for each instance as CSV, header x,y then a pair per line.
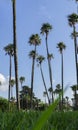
x,y
32,55
50,92
22,79
67,102
61,46
40,59
12,83
58,91
74,89
44,95
15,53
33,40
73,20
45,29
9,49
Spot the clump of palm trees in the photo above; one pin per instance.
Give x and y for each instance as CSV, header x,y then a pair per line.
x,y
35,40
73,20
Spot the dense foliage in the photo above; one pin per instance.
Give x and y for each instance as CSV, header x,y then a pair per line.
x,y
3,104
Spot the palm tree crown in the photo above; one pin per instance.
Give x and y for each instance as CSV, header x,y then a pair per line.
x,y
46,27
22,79
32,54
40,59
9,49
61,46
34,39
12,82
73,19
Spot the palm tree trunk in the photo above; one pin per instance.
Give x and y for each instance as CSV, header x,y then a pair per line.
x,y
75,46
44,84
62,76
22,98
32,78
15,54
9,83
49,65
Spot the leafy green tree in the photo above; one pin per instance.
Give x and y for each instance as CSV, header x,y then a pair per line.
x,y
3,104
25,95
9,49
40,59
45,29
73,20
15,53
33,40
61,46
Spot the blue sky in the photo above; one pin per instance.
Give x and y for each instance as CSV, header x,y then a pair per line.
x,y
30,17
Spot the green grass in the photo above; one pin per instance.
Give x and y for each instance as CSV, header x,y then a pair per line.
x,y
27,121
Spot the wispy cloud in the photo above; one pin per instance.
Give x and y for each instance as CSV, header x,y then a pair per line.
x,y
43,11
4,83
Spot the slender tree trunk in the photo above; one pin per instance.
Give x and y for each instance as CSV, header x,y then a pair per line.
x,y
11,92
62,82
32,79
15,54
22,97
75,46
44,84
9,83
50,71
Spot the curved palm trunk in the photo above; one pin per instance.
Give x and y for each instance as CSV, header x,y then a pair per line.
x,y
62,82
9,83
75,46
32,78
44,84
15,54
49,65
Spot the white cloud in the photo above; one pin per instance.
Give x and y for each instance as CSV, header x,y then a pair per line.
x,y
4,83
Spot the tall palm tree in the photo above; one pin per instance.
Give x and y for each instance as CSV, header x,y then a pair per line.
x,y
73,20
33,40
15,53
40,59
45,29
61,46
12,83
32,55
9,49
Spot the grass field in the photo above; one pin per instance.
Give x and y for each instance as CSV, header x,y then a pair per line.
x,y
27,120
